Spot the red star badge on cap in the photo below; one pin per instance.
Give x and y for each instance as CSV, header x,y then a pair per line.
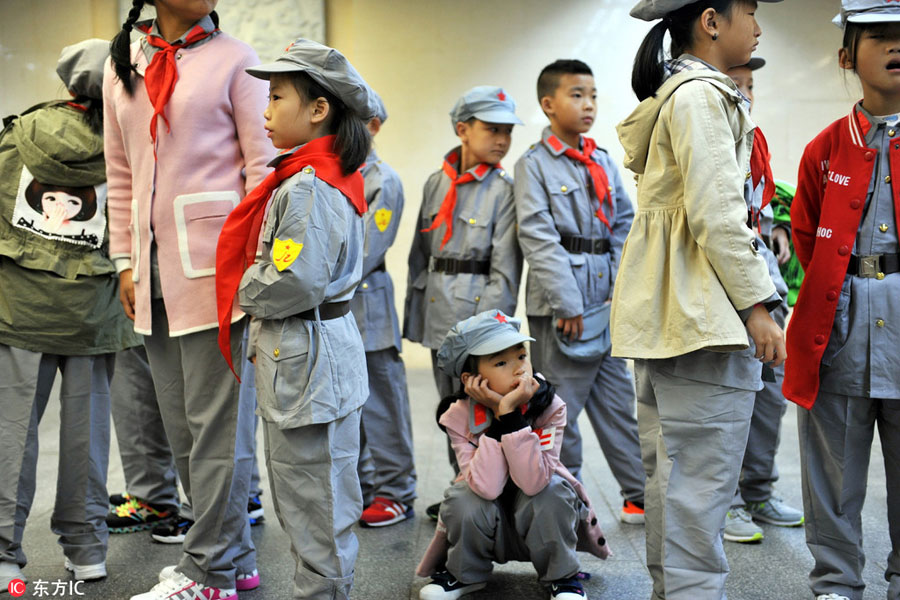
x,y
502,96
500,318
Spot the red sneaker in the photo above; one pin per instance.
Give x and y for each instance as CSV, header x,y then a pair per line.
x,y
632,513
383,512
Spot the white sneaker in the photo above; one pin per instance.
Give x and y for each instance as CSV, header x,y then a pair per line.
x,y
9,572
86,572
831,597
244,582
179,587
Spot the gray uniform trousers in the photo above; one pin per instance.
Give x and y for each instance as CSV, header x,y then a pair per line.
x,y
606,392
147,459
758,471
386,465
540,529
315,490
209,429
835,446
693,435
144,449
79,512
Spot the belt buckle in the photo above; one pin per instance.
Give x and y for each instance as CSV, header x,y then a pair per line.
x,y
868,266
431,261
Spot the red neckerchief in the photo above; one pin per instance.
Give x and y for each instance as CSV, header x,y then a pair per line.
x,y
236,249
445,214
162,73
598,175
761,167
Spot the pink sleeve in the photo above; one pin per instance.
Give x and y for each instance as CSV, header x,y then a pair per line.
x,y
483,466
118,172
248,100
532,455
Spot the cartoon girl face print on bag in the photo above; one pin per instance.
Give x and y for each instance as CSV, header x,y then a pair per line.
x,y
60,212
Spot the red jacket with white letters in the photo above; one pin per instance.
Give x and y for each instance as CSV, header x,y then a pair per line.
x,y
834,178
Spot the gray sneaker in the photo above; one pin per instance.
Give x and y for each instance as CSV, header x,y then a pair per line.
x,y
775,512
739,527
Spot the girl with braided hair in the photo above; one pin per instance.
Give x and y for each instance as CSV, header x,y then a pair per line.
x,y
184,142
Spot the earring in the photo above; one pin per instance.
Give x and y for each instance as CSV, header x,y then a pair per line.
x,y
715,36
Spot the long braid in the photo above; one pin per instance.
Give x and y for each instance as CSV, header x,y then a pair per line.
x,y
120,47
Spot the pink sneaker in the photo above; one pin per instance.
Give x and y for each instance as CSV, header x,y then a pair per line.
x,y
247,581
179,587
384,512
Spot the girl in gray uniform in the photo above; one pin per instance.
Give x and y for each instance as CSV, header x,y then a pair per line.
x,y
691,297
310,361
844,367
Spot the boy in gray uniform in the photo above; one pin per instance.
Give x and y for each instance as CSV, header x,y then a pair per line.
x,y
464,257
387,472
574,215
753,499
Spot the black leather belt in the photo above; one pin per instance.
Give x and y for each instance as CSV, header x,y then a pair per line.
x,y
327,311
575,244
875,267
452,266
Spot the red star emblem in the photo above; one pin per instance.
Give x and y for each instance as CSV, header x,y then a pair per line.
x,y
502,96
500,318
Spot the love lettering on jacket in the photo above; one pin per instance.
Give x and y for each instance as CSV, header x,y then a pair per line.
x,y
76,215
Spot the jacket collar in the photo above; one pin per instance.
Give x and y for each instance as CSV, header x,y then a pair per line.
x,y
479,171
556,146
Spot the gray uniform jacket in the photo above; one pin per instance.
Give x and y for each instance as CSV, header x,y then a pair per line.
x,y
307,371
373,303
484,229
555,196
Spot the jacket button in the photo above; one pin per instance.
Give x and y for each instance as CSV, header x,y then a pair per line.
x,y
472,221
600,275
276,352
831,296
432,298
887,179
749,175
564,189
879,276
502,173
879,323
844,250
307,170
477,298
855,204
820,339
883,228
892,132
365,286
869,156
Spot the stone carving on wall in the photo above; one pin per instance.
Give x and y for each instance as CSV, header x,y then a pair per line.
x,y
267,25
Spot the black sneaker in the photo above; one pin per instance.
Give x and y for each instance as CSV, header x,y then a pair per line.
x,y
445,586
255,511
433,511
171,532
567,589
136,515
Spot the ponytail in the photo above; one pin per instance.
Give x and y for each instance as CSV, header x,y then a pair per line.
x,y
352,138
120,48
649,70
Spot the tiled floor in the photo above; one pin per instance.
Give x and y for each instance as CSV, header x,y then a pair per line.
x,y
774,569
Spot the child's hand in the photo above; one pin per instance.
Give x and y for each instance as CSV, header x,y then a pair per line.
x,y
781,245
476,388
767,335
126,293
525,388
572,328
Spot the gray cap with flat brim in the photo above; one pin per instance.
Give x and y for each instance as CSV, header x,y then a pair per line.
x,y
80,67
327,67
484,334
651,10
377,107
486,103
867,11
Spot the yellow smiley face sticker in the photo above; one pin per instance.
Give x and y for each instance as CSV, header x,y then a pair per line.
x,y
382,219
285,252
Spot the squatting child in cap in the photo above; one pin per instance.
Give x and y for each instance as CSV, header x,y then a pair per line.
x,y
306,219
693,290
387,472
465,257
512,499
754,499
573,214
843,367
61,314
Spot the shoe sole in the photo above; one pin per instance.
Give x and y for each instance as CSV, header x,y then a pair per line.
x,y
402,517
442,595
245,585
133,528
170,539
86,573
631,518
776,522
742,539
